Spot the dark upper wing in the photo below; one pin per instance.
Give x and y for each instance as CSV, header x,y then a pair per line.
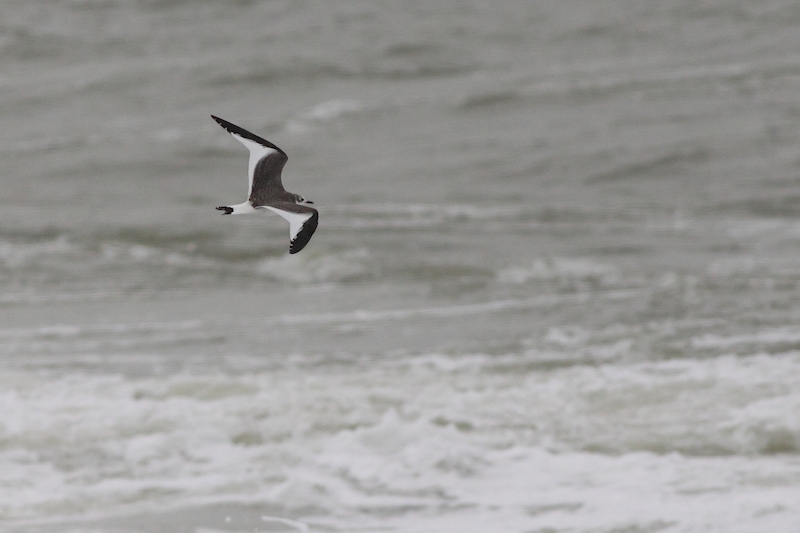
x,y
267,186
266,163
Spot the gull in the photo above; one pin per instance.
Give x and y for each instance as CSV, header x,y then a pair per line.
x,y
266,191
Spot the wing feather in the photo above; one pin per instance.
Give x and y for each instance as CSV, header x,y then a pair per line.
x,y
303,221
266,159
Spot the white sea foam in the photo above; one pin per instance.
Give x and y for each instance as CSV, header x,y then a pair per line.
x,y
322,113
62,254
377,216
15,255
69,339
560,268
459,441
320,267
763,338
450,311
452,211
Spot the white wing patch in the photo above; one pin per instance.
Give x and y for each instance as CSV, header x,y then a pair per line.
x,y
296,220
257,152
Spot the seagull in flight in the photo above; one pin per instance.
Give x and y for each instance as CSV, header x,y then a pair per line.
x,y
266,190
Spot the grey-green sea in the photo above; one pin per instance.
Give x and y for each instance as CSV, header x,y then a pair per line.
x,y
555,286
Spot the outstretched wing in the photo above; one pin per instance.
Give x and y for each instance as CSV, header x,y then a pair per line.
x,y
266,160
302,219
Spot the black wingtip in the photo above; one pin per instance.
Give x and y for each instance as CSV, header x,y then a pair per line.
x,y
228,210
238,130
302,238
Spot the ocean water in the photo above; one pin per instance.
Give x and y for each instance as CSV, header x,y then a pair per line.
x,y
555,287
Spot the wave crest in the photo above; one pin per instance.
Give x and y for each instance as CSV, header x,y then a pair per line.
x,y
348,265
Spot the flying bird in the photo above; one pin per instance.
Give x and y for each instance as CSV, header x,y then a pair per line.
x,y
266,191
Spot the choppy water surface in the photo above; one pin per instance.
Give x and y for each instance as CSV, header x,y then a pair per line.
x,y
554,287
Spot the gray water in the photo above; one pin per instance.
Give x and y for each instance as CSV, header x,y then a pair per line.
x,y
554,286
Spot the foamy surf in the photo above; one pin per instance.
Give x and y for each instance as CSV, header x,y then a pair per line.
x,y
553,292
368,443
325,267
